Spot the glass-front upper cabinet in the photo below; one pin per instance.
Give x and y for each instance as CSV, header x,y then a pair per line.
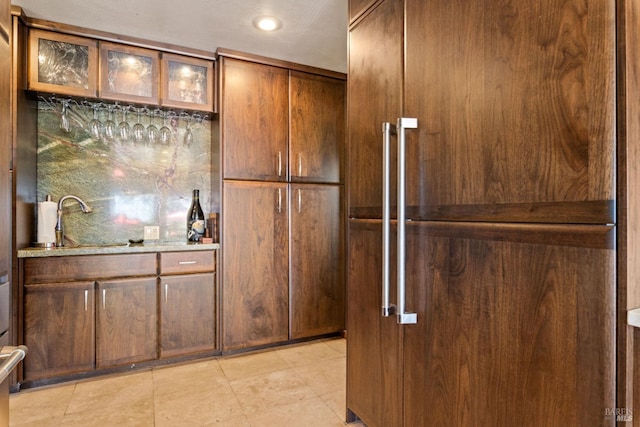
x,y
62,64
187,82
128,73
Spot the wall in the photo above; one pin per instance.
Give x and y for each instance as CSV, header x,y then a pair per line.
x,y
127,185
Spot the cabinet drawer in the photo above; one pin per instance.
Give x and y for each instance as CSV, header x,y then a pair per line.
x,y
187,262
88,267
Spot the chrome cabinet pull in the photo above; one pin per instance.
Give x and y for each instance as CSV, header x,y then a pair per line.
x,y
299,200
11,356
86,299
279,163
299,164
104,299
279,200
388,129
403,123
166,292
187,262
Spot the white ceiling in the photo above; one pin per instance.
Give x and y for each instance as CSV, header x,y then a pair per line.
x,y
314,32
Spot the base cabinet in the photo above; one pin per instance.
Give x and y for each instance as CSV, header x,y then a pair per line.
x,y
126,328
59,329
187,314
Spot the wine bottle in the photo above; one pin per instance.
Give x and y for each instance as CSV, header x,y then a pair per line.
x,y
195,219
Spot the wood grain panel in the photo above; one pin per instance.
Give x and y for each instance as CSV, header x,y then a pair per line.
x,y
317,294
255,285
5,145
317,109
127,322
187,262
88,267
374,374
515,103
374,96
187,314
59,329
508,331
254,120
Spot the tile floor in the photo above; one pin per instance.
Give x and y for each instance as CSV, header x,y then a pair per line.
x,y
300,385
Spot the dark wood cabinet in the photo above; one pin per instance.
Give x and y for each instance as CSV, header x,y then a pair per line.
x,y
187,314
126,321
59,329
255,276
317,128
254,120
281,125
317,294
510,243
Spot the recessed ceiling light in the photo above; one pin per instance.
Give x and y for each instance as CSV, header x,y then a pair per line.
x,y
267,23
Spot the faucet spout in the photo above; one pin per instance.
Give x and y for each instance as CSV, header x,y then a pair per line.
x,y
59,227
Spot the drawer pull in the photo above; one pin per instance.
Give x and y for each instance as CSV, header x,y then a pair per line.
x,y
187,262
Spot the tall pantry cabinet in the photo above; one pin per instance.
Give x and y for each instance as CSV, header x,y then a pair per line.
x,y
508,244
282,130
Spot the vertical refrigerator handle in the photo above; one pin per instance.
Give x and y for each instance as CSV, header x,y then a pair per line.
x,y
388,129
404,318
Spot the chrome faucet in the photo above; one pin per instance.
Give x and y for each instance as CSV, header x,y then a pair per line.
x,y
59,229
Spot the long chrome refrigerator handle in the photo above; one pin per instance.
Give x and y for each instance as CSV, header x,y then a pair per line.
x,y
388,129
12,356
404,318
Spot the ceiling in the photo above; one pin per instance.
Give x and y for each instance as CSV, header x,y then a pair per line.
x,y
314,32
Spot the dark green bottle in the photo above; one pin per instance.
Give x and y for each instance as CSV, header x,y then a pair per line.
x,y
195,219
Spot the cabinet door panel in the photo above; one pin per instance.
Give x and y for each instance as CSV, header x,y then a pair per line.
x,y
317,279
254,120
5,151
374,374
255,258
508,329
126,321
317,111
505,118
59,329
187,314
374,97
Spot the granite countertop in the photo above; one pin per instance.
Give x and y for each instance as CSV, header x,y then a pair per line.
x,y
109,249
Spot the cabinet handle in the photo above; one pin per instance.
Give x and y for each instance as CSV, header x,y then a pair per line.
x,y
104,299
388,129
299,201
404,318
166,292
86,299
299,164
187,262
279,200
279,163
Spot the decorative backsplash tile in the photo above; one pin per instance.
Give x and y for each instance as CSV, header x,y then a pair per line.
x,y
127,185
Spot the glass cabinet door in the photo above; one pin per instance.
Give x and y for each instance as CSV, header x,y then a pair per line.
x,y
62,64
187,83
128,73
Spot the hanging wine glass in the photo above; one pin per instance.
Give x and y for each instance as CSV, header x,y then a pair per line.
x,y
110,125
124,130
138,128
95,126
152,131
188,134
165,131
65,122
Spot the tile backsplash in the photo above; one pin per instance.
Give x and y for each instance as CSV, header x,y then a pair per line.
x,y
127,185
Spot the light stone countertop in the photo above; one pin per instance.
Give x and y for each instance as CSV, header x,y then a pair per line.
x,y
109,249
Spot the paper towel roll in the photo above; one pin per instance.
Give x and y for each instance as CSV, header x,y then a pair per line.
x,y
47,217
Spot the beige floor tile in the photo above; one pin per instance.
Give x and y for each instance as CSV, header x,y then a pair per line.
x,y
337,402
249,365
195,407
44,422
309,413
40,404
308,354
240,421
198,375
136,413
262,392
339,345
325,376
115,391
